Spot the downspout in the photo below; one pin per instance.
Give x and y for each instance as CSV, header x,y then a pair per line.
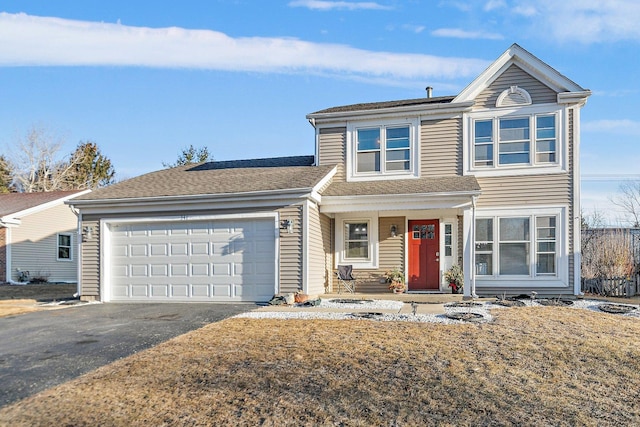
x,y
78,250
472,273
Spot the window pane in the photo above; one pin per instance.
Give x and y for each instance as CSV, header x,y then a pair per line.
x,y
546,126
397,155
511,159
369,161
398,137
484,230
356,231
546,264
546,247
357,250
484,152
514,147
547,145
514,129
398,166
484,264
64,253
483,131
514,229
546,158
64,240
514,258
368,139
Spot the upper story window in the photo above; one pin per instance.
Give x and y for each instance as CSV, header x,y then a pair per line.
x,y
509,140
505,140
382,150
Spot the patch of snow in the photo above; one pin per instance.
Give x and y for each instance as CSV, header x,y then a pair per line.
x,y
373,305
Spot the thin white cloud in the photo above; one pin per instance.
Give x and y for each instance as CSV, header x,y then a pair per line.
x,y
464,34
43,41
585,21
414,28
340,5
494,4
621,126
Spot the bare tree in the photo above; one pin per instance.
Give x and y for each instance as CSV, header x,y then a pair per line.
x,y
37,166
628,198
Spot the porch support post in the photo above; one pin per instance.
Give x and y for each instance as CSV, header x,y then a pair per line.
x,y
469,249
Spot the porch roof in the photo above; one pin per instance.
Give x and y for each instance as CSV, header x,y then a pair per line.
x,y
449,185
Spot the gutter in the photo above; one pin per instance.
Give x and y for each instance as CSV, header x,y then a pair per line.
x,y
194,198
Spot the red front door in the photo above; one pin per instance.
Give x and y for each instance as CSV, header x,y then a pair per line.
x,y
424,255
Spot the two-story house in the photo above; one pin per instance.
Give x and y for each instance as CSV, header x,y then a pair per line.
x,y
487,179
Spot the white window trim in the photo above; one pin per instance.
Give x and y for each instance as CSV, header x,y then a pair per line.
x,y
340,258
517,169
70,247
560,279
414,159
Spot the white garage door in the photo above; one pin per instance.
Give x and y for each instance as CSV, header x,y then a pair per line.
x,y
218,260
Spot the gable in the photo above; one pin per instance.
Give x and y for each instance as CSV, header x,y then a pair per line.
x,y
526,64
516,76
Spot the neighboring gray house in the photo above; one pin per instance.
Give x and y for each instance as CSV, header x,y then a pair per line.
x,y
488,179
38,237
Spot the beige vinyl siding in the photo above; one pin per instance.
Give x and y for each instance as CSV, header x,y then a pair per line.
x,y
441,147
316,261
515,76
533,190
291,251
332,149
34,245
90,272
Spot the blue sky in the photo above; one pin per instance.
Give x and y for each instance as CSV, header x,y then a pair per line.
x,y
145,79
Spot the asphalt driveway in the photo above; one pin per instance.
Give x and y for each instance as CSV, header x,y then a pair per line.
x,y
43,349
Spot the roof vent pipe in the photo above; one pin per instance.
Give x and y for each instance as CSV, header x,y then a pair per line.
x,y
429,91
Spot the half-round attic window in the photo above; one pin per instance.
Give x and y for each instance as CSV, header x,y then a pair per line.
x,y
513,96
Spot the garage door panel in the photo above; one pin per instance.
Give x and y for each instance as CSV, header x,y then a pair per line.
x,y
179,270
157,249
138,250
160,290
139,270
230,260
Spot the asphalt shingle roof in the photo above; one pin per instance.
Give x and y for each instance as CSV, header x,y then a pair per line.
x,y
214,178
446,184
16,202
386,104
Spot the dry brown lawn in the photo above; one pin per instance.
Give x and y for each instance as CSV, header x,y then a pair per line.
x,y
531,366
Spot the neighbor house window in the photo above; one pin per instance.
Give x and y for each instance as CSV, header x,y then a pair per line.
x,y
383,149
524,246
64,247
356,240
509,141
